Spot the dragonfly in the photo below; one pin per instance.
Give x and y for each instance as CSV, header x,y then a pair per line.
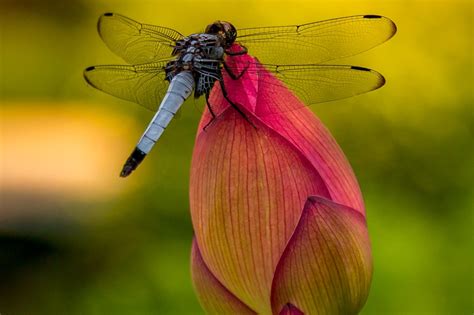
x,y
165,67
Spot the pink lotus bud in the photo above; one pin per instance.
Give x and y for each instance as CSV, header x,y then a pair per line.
x,y
278,216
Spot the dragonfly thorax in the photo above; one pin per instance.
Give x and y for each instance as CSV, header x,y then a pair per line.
x,y
201,54
205,45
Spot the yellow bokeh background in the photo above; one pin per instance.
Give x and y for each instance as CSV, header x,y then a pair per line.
x,y
77,239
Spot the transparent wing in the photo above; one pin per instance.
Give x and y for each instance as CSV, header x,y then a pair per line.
x,y
311,83
142,84
134,42
316,42
323,83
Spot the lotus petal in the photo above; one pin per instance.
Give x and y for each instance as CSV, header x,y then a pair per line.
x,y
327,266
213,296
279,109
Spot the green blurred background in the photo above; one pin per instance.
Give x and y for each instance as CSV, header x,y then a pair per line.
x,y
77,239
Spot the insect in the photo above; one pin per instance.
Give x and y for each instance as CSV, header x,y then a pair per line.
x,y
165,66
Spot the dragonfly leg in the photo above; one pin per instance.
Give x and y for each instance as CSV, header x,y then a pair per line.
x,y
232,75
234,105
243,51
209,107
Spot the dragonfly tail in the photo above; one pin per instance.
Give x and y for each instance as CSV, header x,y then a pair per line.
x,y
179,90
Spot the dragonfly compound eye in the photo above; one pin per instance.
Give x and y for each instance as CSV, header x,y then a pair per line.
x,y
224,29
230,33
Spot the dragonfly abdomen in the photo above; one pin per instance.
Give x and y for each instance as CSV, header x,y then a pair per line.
x,y
179,90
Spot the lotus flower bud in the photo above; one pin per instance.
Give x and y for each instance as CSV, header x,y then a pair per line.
x,y
278,216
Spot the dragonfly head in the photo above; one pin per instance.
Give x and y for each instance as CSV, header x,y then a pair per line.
x,y
225,29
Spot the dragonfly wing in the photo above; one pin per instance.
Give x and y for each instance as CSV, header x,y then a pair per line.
x,y
134,42
143,84
316,42
311,83
323,83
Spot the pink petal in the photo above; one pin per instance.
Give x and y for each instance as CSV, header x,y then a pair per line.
x,y
248,188
327,265
290,309
280,110
213,296
301,127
